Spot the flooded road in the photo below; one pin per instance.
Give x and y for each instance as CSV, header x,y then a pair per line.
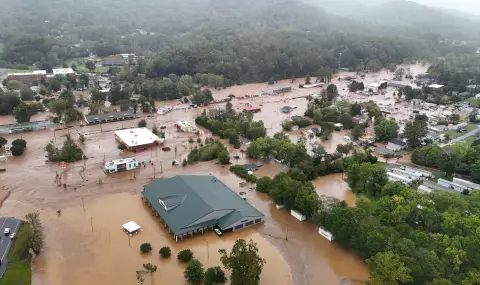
x,y
295,252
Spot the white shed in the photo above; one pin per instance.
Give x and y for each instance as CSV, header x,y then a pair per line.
x,y
297,215
326,234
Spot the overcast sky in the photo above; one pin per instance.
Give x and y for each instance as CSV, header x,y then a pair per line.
x,y
467,6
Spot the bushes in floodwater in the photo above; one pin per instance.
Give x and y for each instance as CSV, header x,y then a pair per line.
x,y
241,172
209,152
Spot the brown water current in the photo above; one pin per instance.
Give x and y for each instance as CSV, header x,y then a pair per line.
x,y
295,252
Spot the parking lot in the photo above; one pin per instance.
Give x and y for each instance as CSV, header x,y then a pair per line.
x,y
5,241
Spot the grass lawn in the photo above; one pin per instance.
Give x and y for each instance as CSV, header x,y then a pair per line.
x,y
12,70
472,100
374,200
80,63
455,134
18,270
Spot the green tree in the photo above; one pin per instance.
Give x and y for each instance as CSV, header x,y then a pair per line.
x,y
35,232
475,170
165,252
26,94
90,65
124,104
264,184
58,107
223,157
14,85
387,268
374,111
448,163
54,84
214,275
150,268
185,255
415,131
357,132
244,263
145,247
331,92
20,142
142,124
386,130
23,112
3,141
17,150
194,272
307,80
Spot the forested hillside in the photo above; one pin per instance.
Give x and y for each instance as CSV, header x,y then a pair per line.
x,y
251,40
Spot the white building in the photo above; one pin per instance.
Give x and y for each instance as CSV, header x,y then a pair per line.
x,y
137,138
63,71
123,164
186,127
435,86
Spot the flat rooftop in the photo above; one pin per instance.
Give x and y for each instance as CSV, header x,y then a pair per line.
x,y
112,116
136,137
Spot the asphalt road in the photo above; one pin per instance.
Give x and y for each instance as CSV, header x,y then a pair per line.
x,y
462,138
5,242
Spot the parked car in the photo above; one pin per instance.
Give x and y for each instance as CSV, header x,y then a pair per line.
x,y
218,232
12,235
6,231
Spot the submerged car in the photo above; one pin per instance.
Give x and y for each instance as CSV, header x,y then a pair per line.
x,y
218,232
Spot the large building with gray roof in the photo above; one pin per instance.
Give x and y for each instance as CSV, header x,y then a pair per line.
x,y
190,204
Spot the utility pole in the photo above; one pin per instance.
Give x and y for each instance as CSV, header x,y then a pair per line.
x,y
91,223
286,234
83,205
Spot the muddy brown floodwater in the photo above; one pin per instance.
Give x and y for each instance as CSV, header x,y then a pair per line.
x,y
74,254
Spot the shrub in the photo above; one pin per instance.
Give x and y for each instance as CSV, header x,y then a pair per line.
x,y
142,124
264,184
145,247
3,141
287,125
223,157
199,140
214,275
184,162
70,151
185,255
165,252
17,150
208,152
194,272
302,122
190,140
20,142
241,172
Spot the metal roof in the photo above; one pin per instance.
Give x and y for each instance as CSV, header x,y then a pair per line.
x,y
109,116
189,202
